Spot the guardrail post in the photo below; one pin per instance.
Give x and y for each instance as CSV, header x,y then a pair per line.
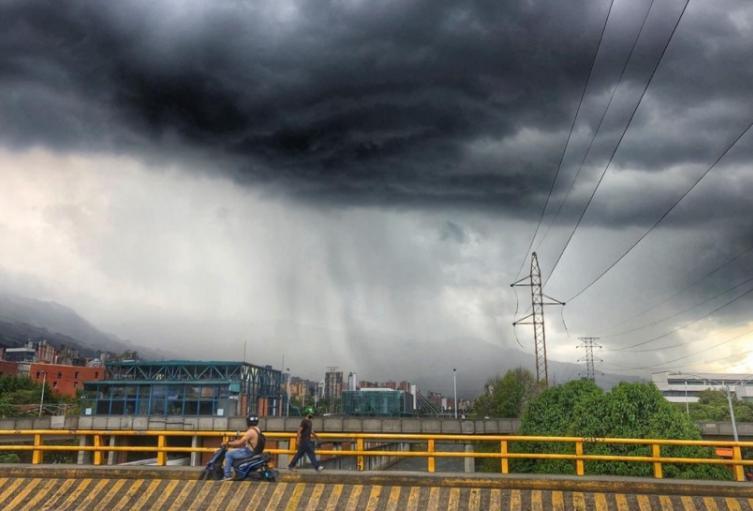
x,y
161,455
359,458
430,460
97,452
580,467
737,455
504,462
656,453
36,457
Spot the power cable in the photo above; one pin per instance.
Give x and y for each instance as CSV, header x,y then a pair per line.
x,y
587,153
619,141
666,213
656,322
569,137
642,343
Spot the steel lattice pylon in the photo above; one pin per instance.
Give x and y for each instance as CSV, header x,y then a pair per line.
x,y
537,316
589,343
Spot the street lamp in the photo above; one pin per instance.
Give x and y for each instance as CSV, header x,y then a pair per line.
x,y
287,391
455,390
731,413
44,383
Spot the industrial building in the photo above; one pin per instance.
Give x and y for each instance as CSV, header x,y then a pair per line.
x,y
380,402
182,387
683,387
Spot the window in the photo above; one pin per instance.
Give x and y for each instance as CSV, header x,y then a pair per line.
x,y
75,375
60,375
96,374
37,375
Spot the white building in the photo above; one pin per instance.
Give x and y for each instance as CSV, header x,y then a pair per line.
x,y
686,387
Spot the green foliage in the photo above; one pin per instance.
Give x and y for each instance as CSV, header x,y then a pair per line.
x,y
509,395
16,391
713,406
10,457
630,410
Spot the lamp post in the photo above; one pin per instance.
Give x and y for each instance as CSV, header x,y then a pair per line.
x,y
455,390
287,391
41,400
731,413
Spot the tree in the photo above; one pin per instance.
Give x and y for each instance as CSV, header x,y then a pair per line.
x,y
630,410
508,395
712,405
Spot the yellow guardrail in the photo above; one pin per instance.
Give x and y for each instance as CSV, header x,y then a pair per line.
x,y
360,450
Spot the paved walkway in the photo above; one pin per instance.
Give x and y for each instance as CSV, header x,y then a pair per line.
x,y
163,494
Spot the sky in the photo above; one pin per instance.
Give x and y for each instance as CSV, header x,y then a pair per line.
x,y
337,182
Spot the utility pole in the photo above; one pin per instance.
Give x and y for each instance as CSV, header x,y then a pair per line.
x,y
589,343
536,317
455,390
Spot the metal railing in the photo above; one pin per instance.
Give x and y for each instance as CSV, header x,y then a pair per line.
x,y
360,449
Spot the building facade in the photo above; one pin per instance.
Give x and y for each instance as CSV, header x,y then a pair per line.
x,y
686,387
376,402
181,387
333,384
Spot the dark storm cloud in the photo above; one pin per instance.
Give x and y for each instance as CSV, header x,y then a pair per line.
x,y
376,103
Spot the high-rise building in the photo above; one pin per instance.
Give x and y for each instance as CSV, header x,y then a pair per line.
x,y
333,383
352,381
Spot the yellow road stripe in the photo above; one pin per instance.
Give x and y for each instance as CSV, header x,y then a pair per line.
x,y
254,500
558,501
198,501
355,494
495,499
643,503
169,489
413,499
732,504
316,494
687,503
474,499
10,490
295,497
27,488
666,503
334,496
145,494
274,500
59,493
373,502
600,501
454,500
111,493
392,500
433,498
579,501
536,500
42,493
710,504
132,490
514,500
184,494
91,495
622,502
83,484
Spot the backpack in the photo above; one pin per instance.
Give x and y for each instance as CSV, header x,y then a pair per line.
x,y
261,442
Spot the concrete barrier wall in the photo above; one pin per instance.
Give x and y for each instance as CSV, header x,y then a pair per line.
x,y
321,424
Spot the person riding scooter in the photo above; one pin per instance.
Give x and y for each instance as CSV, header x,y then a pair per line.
x,y
246,446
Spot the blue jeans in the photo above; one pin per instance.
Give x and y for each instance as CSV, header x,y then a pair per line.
x,y
306,447
233,455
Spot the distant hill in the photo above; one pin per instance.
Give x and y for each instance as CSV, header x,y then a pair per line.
x,y
23,318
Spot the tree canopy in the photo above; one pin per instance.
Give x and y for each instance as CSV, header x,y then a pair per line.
x,y
506,396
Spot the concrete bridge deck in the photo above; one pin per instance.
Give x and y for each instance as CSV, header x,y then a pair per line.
x,y
131,488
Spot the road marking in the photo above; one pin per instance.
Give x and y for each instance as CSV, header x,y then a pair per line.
x,y
33,483
558,501
355,494
94,493
295,497
622,502
710,504
58,494
75,494
393,499
42,493
579,501
644,504
412,504
258,494
334,496
515,500
495,499
376,491
732,504
198,501
183,495
537,503
433,502
12,488
687,503
111,493
145,494
454,499
666,503
169,489
315,496
274,500
474,499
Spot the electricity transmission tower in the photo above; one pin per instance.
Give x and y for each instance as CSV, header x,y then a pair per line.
x,y
589,343
536,317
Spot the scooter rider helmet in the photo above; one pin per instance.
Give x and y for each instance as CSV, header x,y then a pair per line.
x,y
252,420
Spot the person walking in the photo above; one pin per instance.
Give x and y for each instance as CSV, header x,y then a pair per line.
x,y
305,440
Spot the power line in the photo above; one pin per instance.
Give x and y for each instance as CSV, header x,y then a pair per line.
x,y
686,324
656,322
569,137
619,141
587,153
666,213
667,298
